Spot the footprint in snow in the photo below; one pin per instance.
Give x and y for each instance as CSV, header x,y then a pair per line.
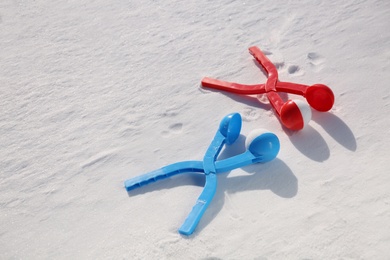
x,y
295,70
316,61
250,114
173,129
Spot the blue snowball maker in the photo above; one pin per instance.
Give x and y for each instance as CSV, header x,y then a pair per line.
x,y
262,146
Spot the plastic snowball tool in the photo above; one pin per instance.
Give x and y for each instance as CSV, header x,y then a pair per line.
x,y
262,146
294,114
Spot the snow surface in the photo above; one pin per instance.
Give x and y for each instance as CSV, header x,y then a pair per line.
x,y
96,92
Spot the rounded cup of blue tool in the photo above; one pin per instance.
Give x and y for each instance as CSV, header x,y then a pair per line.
x,y
263,145
230,127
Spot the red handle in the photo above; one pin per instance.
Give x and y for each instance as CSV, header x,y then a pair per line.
x,y
276,101
293,88
233,87
268,66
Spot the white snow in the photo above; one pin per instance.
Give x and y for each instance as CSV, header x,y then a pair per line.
x,y
95,92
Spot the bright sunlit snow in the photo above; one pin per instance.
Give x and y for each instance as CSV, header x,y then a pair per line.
x,y
96,92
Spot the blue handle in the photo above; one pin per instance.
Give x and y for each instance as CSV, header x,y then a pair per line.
x,y
201,205
163,173
235,162
212,153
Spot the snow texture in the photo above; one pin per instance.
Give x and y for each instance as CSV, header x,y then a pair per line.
x,y
96,92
